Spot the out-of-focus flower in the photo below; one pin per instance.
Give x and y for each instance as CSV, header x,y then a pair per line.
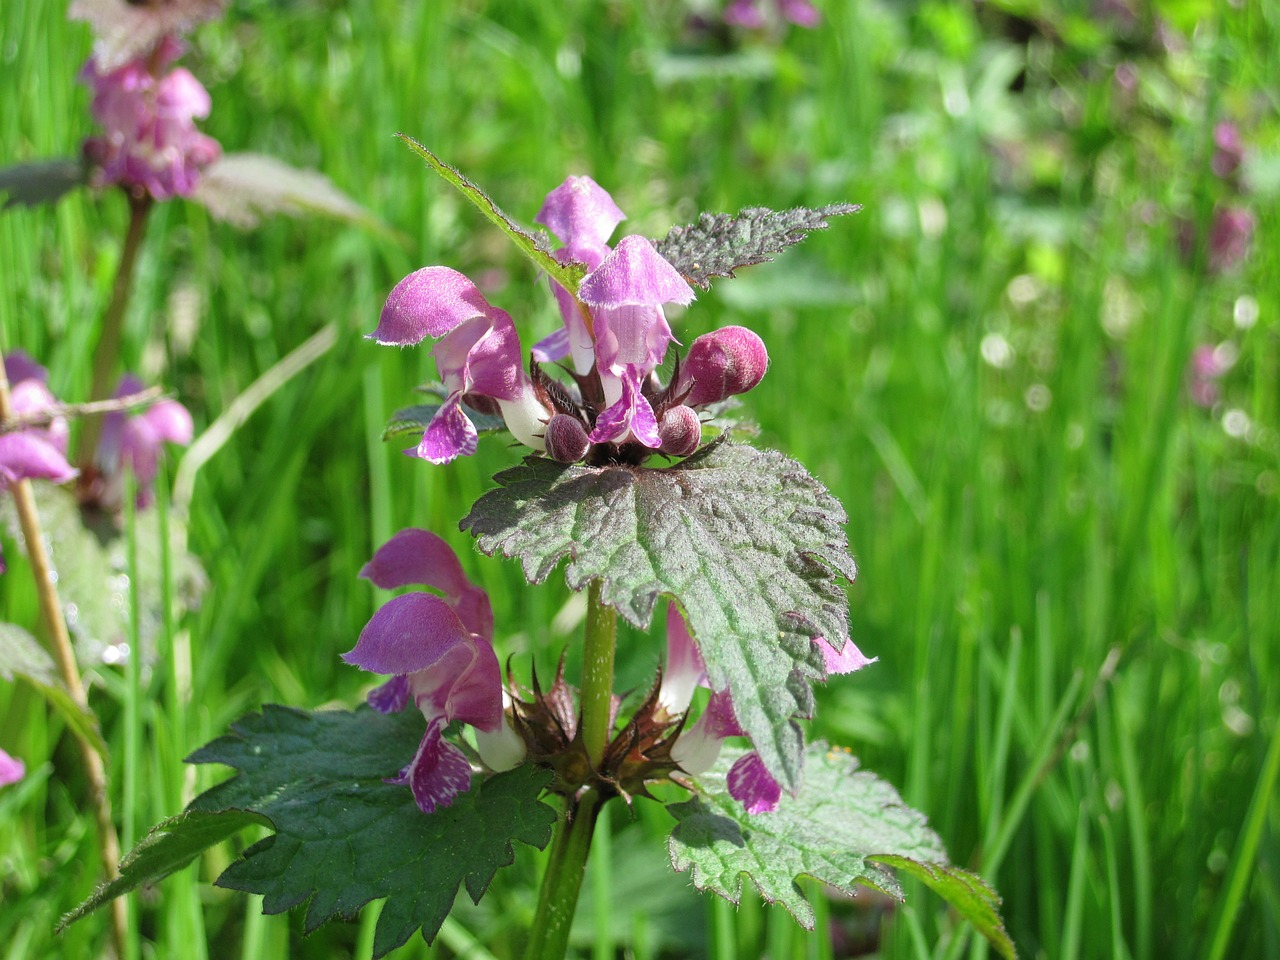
x,y
1230,237
11,769
1208,364
750,15
1228,150
127,29
150,143
134,441
478,355
37,452
440,652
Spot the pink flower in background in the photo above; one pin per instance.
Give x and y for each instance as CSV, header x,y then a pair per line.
x,y
11,770
134,440
1230,237
1208,364
750,15
150,143
128,29
439,650
1228,150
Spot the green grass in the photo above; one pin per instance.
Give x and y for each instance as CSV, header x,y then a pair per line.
x,y
1069,570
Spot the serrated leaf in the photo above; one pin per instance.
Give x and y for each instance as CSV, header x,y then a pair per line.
x,y
242,188
22,656
719,243
966,892
532,245
414,420
745,540
843,828
343,837
29,184
168,847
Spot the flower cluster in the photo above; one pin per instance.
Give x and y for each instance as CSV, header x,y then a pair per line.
x,y
615,336
150,143
133,442
748,13
39,451
439,651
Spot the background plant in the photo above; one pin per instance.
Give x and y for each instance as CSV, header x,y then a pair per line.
x,y
1005,330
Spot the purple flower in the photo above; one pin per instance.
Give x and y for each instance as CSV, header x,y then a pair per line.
x,y
748,13
1208,364
1230,237
1228,150
124,30
698,746
150,142
11,770
626,293
439,650
35,452
133,441
478,354
720,364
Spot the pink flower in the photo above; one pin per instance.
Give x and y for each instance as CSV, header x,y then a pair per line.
x,y
125,30
11,770
134,441
440,652
478,354
150,142
749,15
1228,150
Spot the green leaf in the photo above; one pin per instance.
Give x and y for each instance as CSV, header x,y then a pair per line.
x,y
168,847
414,420
843,828
966,892
22,656
28,184
745,540
343,837
719,243
532,245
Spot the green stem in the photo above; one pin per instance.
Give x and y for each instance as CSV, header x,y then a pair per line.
x,y
106,358
558,899
597,674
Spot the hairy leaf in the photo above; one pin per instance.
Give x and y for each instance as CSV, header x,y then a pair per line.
x,y
719,243
745,541
843,828
343,837
29,184
168,847
242,188
532,245
22,656
414,420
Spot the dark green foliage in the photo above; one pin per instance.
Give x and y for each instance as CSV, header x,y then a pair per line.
x,y
744,540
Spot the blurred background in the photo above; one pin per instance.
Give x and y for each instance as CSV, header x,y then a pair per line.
x,y
1041,369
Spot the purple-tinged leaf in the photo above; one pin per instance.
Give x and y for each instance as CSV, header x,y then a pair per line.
x,y
748,543
719,243
29,184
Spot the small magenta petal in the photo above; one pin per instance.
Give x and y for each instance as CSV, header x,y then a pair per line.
x,y
27,456
428,303
847,660
752,784
580,213
613,422
553,347
407,634
19,366
420,557
391,696
494,361
11,769
644,425
634,274
721,720
450,434
170,421
438,772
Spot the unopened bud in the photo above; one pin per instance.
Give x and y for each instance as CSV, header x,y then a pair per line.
x,y
680,430
566,439
727,361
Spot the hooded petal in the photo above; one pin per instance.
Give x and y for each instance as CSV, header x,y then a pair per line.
x,y
407,634
428,303
581,214
849,659
483,356
752,784
634,274
420,557
438,772
170,421
465,684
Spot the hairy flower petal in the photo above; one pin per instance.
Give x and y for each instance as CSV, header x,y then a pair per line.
x,y
428,303
438,772
849,659
634,274
582,215
450,434
752,784
407,634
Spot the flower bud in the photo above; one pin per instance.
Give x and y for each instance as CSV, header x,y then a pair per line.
x,y
566,439
680,430
728,361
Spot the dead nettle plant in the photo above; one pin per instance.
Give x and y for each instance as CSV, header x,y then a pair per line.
x,y
634,478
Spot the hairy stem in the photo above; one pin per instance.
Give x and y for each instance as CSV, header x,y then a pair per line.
x,y
106,358
63,654
597,674
558,898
